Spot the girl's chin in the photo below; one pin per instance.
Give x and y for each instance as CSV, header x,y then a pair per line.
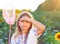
x,y
24,28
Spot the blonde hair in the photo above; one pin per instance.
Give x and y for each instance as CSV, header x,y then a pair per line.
x,y
18,30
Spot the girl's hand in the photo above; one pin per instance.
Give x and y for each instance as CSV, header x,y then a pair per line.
x,y
40,26
26,18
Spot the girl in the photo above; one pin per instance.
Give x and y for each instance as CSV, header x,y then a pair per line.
x,y
28,30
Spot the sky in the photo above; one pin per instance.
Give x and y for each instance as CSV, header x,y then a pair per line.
x,y
20,4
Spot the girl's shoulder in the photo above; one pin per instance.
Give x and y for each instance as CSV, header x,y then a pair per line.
x,y
33,29
34,32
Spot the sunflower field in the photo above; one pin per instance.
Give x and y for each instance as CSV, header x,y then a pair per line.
x,y
51,19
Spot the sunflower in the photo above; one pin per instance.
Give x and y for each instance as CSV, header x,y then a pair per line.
x,y
17,11
1,20
57,36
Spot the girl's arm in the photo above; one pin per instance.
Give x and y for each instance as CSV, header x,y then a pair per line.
x,y
39,25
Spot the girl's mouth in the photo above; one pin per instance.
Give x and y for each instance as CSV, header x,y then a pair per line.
x,y
24,26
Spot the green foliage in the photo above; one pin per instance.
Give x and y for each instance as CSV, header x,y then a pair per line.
x,y
51,20
4,30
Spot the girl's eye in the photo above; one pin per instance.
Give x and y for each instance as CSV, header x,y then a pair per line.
x,y
27,21
24,21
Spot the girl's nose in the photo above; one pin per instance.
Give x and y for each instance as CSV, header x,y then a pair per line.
x,y
24,22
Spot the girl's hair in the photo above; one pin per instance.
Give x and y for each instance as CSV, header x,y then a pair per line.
x,y
18,29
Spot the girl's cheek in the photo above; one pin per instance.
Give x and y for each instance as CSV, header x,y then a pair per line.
x,y
20,23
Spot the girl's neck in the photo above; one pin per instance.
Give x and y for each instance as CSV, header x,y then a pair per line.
x,y
25,31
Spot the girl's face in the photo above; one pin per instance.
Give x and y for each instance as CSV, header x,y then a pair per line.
x,y
24,25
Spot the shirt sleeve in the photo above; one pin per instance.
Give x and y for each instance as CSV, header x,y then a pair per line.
x,y
35,33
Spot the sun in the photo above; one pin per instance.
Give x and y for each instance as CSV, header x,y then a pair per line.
x,y
57,36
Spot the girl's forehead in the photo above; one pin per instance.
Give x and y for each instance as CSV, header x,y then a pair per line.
x,y
24,21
